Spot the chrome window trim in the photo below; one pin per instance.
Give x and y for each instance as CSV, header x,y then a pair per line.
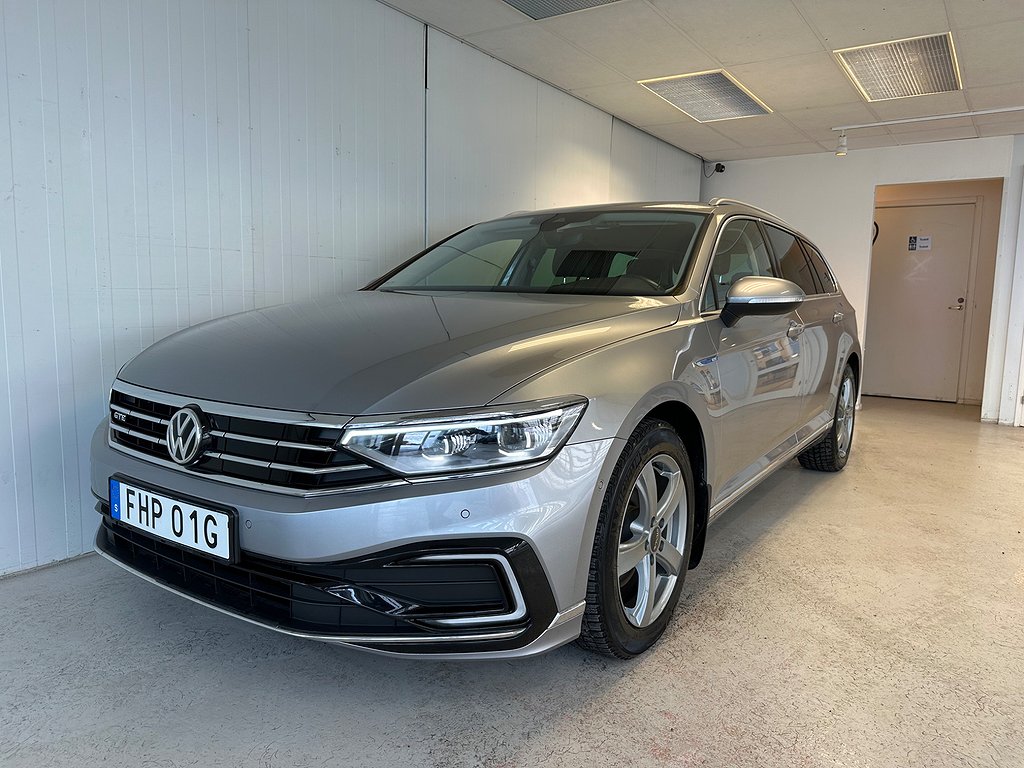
x,y
778,224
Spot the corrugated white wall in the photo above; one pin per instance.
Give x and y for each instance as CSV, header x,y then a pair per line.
x,y
163,162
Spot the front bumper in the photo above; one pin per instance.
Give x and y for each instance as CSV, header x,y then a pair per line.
x,y
475,568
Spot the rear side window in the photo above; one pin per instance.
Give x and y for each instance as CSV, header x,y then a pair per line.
x,y
828,285
740,252
792,263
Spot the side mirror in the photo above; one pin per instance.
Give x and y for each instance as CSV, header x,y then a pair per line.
x,y
760,296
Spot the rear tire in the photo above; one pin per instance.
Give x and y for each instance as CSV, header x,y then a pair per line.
x,y
642,545
832,451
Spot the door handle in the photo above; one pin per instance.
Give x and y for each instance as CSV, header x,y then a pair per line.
x,y
837,317
958,307
795,329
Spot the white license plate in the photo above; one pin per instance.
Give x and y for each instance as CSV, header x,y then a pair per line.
x,y
181,522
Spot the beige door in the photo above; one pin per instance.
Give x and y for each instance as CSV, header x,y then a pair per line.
x,y
920,265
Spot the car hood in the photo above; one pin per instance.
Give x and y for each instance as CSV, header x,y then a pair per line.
x,y
375,352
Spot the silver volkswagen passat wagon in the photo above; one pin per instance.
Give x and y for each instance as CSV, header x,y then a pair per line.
x,y
516,439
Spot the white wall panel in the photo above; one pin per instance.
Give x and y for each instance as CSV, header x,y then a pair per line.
x,y
163,162
481,137
168,161
499,141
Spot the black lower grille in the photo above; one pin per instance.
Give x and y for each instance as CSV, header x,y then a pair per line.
x,y
295,596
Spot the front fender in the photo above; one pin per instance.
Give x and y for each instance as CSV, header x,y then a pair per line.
x,y
624,382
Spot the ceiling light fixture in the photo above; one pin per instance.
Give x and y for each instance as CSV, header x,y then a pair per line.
x,y
841,147
707,96
900,69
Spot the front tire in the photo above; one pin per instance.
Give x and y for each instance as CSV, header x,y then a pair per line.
x,y
832,451
642,546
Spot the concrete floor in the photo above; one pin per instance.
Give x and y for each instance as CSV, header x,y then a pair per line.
x,y
872,618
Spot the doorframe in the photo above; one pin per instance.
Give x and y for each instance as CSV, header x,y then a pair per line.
x,y
972,273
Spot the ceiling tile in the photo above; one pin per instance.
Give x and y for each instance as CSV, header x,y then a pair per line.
x,y
817,122
462,17
943,134
692,136
1002,129
999,118
760,131
773,29
632,102
797,82
829,136
991,55
539,52
919,106
779,150
974,13
994,96
632,38
845,23
931,125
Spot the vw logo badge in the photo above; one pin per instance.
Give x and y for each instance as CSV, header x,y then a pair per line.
x,y
185,435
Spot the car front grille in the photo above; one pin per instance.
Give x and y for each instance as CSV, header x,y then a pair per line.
x,y
293,457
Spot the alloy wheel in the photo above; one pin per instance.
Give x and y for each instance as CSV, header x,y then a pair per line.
x,y
652,540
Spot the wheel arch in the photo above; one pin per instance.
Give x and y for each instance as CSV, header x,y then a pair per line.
x,y
686,424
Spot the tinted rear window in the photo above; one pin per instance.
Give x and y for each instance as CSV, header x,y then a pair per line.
x,y
828,285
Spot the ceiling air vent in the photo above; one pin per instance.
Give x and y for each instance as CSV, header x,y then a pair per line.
x,y
707,96
543,9
899,69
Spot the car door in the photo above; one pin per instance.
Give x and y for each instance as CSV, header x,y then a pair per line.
x,y
816,330
826,313
758,365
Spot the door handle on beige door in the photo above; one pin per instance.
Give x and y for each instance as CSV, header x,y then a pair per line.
x,y
795,329
958,307
837,317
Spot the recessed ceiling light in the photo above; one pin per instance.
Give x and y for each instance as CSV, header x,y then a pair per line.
x,y
900,69
708,96
543,9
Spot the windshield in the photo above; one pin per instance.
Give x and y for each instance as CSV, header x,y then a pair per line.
x,y
622,253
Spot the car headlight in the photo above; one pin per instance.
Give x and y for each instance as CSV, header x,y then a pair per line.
x,y
473,442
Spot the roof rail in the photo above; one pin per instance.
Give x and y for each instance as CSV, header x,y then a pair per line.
x,y
732,201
